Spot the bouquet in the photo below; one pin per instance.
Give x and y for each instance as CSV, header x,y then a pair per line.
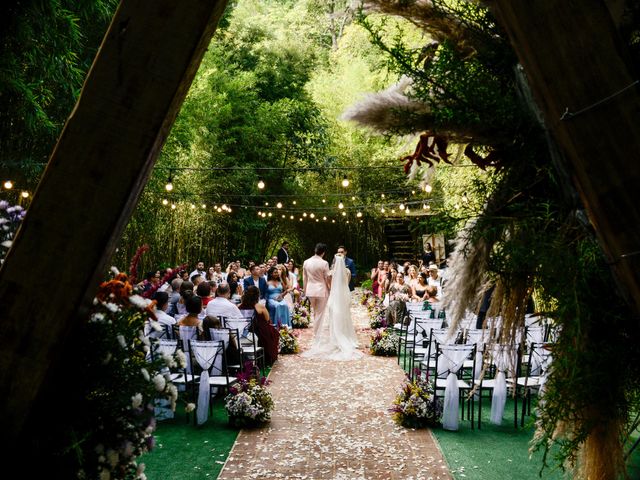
x,y
415,406
384,342
249,403
288,340
301,316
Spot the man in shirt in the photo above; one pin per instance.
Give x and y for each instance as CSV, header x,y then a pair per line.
x,y
256,279
221,306
198,271
283,253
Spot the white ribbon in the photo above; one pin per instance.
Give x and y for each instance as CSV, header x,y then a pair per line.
x,y
454,357
206,354
186,335
502,358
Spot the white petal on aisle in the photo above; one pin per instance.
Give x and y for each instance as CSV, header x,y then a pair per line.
x,y
331,420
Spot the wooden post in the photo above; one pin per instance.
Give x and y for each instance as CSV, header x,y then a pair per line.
x,y
577,67
92,183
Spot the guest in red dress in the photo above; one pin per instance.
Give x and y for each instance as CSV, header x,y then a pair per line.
x,y
268,336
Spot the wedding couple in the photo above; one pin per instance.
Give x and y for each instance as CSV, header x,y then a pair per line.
x,y
328,292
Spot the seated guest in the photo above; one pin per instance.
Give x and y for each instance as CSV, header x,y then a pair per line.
x,y
278,308
432,294
235,287
419,288
221,306
256,279
194,307
186,291
197,279
160,311
203,290
434,278
287,288
174,297
268,337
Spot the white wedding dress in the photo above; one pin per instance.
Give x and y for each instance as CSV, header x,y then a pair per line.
x,y
336,339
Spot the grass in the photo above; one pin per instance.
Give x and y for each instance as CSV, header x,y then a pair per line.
x,y
184,451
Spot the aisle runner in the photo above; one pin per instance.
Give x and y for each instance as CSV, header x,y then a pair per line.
x,y
331,422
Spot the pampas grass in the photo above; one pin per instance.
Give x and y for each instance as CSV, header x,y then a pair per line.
x,y
388,111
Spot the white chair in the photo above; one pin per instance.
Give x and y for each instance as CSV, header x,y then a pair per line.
x,y
536,371
448,362
248,340
417,338
210,355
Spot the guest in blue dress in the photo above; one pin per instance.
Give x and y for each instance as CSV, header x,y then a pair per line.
x,y
278,308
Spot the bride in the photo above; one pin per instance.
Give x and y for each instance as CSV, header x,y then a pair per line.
x,y
336,338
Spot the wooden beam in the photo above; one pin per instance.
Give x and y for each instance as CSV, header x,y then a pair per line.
x,y
583,82
91,185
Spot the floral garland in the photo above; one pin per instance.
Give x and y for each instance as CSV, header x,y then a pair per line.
x,y
415,405
301,316
384,342
122,383
288,340
249,403
10,219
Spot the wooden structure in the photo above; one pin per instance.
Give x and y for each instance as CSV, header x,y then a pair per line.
x,y
92,183
589,93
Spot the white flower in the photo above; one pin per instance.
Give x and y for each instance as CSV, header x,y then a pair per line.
x,y
122,341
181,358
145,374
112,307
169,360
114,270
136,400
139,301
105,474
190,407
142,476
159,382
141,467
173,391
97,317
7,243
143,339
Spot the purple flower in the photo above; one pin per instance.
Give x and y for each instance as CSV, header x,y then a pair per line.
x,y
3,204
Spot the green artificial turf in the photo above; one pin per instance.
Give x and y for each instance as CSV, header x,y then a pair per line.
x,y
184,451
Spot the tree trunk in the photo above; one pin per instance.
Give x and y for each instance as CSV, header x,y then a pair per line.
x,y
91,185
583,82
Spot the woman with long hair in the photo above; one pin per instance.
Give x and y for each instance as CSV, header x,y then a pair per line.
x,y
268,336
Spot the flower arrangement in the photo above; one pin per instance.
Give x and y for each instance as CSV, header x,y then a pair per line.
x,y
415,406
378,317
384,342
401,297
301,316
114,405
10,219
288,340
249,403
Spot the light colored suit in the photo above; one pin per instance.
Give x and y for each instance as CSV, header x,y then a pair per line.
x,y
315,274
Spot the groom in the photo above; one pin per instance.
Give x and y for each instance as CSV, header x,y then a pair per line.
x,y
315,275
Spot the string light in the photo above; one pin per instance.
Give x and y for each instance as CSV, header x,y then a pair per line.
x,y
295,203
359,214
203,206
192,206
169,186
413,192
424,206
353,198
382,210
284,216
324,218
165,201
173,206
428,188
401,206
344,214
25,194
341,205
270,214
313,215
261,184
382,195
279,205
345,182
324,201
317,219
291,217
407,211
333,221
266,204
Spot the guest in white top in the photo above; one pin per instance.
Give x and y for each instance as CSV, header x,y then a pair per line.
x,y
434,279
199,270
221,306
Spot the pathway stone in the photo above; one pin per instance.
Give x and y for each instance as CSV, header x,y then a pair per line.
x,y
331,421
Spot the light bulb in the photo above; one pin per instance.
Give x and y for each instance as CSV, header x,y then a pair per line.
x,y
279,205
345,182
291,217
353,198
424,206
359,214
344,214
219,210
428,207
25,194
193,206
203,206
294,202
393,210
300,218
313,215
168,187
324,201
224,206
173,206
284,216
407,211
382,210
382,195
413,192
261,184
401,206
428,188
324,218
304,214
333,221
270,214
347,221
317,219
8,184
266,204
165,201
340,205
259,214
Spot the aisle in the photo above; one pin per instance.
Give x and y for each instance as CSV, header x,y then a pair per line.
x,y
331,422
